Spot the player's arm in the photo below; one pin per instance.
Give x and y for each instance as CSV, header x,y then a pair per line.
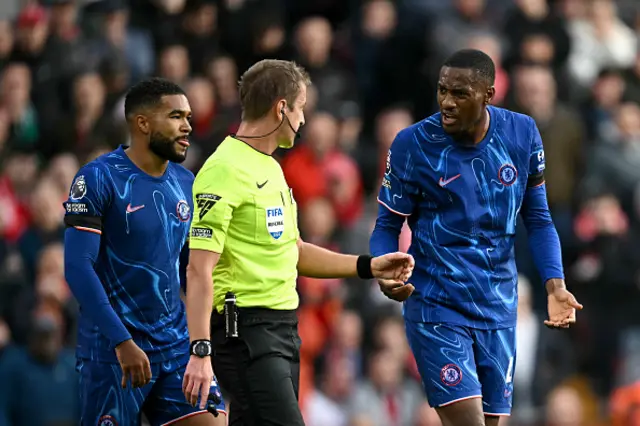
x,y
537,217
216,193
83,219
84,212
544,242
397,200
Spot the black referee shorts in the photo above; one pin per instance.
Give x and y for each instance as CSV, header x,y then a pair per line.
x,y
259,370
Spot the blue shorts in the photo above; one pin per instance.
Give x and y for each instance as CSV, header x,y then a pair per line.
x,y
458,363
103,402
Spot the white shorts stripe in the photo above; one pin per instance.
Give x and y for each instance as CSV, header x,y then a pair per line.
x,y
459,399
186,416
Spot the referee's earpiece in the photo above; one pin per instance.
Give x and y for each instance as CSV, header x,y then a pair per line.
x,y
297,132
267,134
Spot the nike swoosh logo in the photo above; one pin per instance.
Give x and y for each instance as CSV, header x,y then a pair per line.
x,y
262,184
444,183
134,209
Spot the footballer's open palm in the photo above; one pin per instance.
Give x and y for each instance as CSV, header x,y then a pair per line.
x,y
562,306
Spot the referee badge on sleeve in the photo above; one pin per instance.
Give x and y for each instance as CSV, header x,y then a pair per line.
x,y
275,221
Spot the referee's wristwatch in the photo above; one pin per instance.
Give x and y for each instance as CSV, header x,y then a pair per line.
x,y
200,348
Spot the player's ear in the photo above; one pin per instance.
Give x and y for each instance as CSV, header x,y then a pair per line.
x,y
142,123
491,92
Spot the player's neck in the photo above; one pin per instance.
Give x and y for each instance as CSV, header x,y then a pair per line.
x,y
253,134
146,160
481,128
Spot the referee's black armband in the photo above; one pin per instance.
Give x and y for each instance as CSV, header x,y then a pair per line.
x,y
535,180
364,267
87,222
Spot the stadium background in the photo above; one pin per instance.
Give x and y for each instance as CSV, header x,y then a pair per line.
x,y
573,65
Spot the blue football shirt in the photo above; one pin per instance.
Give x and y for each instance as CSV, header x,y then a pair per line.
x,y
144,224
461,204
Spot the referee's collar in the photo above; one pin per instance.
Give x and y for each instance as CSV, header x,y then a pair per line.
x,y
235,138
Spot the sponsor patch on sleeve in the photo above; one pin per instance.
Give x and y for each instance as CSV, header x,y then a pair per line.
x,y
76,208
205,233
205,202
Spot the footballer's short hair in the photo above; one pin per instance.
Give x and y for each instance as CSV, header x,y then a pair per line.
x,y
475,60
149,93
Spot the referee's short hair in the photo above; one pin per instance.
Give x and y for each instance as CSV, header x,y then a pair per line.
x,y
267,81
475,60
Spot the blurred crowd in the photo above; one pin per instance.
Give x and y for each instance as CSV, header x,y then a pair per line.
x,y
573,65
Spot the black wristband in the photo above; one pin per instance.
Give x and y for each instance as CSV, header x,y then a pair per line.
x,y
364,267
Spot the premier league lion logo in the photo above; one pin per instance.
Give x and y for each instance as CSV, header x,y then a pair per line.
x,y
387,169
79,188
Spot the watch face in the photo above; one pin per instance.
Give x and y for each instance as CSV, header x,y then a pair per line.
x,y
202,349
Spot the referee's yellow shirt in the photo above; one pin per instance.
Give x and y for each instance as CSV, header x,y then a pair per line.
x,y
245,211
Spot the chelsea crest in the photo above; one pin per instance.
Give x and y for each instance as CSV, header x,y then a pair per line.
x,y
183,210
507,174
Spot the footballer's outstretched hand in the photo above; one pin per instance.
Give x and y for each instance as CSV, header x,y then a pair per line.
x,y
561,304
393,266
396,290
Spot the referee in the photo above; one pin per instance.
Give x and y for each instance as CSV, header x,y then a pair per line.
x,y
245,244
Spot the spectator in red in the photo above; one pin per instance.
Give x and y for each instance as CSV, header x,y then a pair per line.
x,y
18,173
625,405
318,169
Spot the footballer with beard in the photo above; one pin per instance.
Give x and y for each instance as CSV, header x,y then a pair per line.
x,y
128,216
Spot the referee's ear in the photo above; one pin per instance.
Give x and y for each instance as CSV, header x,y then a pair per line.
x,y
281,108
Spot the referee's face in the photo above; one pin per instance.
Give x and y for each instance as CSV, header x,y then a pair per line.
x,y
295,115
